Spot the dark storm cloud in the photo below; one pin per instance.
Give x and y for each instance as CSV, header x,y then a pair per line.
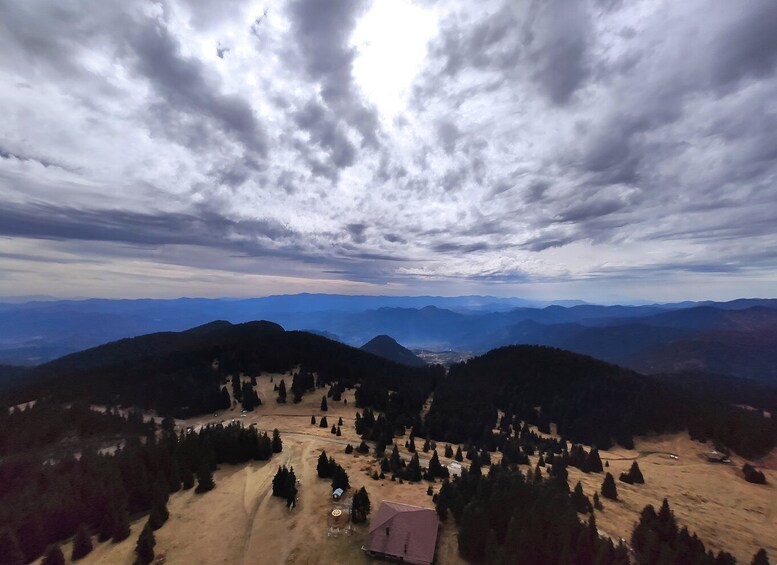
x,y
181,81
322,30
43,221
326,132
549,39
357,232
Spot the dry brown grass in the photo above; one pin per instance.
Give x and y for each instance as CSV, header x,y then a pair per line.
x,y
239,522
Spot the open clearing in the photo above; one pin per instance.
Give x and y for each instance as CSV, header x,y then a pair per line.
x,y
239,522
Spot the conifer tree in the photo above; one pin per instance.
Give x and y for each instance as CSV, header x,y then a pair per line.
x,y
760,558
427,446
53,556
597,502
277,443
413,471
459,456
340,478
282,392
323,404
10,551
322,468
338,433
144,548
187,477
340,421
580,500
334,429
609,490
323,423
313,420
82,543
348,449
120,524
204,479
363,447
360,506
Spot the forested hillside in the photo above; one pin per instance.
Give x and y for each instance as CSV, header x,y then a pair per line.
x,y
183,373
591,402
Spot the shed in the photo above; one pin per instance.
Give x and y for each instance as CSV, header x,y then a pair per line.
x,y
403,532
454,468
337,494
717,457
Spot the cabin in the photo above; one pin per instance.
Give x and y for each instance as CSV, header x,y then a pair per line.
x,y
454,468
404,533
717,457
337,494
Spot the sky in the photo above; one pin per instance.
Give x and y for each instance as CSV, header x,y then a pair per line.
x,y
599,150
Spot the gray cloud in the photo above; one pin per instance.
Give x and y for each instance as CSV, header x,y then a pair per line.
x,y
181,81
542,142
322,31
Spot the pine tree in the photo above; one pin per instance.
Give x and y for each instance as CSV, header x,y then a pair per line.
x,y
144,549
597,502
413,471
187,477
120,524
760,558
448,451
282,392
334,429
609,490
580,500
323,423
360,506
338,433
340,421
427,446
82,543
459,456
53,556
340,478
277,443
634,475
313,420
204,479
323,404
10,551
322,468
348,448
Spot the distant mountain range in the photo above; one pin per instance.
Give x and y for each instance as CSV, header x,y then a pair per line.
x,y
737,338
388,348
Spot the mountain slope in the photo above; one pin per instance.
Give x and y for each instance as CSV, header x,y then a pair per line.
x,y
174,372
388,348
589,400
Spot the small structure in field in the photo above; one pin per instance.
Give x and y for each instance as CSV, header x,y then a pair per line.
x,y
715,456
404,533
337,494
337,517
454,468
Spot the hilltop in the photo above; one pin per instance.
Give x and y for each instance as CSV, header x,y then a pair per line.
x,y
388,348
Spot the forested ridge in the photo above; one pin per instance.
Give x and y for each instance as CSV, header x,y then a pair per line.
x,y
590,401
182,373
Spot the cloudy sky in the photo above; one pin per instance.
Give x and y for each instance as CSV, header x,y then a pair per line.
x,y
602,150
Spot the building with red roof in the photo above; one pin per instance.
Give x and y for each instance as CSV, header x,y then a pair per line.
x,y
403,532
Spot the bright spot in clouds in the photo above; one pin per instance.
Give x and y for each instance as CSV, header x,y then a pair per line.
x,y
392,40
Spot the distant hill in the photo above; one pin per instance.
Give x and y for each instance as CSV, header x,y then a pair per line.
x,y
388,348
174,372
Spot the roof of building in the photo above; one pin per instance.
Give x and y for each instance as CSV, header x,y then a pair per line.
x,y
337,492
404,531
